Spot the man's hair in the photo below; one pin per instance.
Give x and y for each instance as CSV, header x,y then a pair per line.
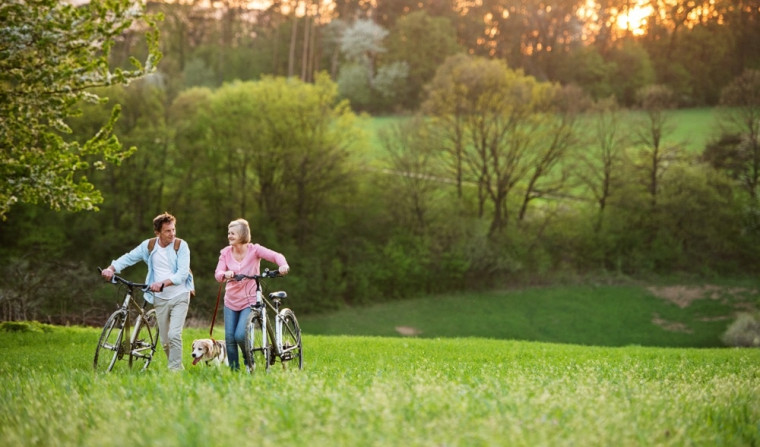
x,y
161,219
243,228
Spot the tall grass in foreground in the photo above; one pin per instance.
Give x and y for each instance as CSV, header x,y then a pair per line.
x,y
373,391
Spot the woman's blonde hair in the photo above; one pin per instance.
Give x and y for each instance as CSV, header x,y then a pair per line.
x,y
243,228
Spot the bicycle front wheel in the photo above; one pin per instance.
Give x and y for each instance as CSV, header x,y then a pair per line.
x,y
292,348
111,343
143,340
255,348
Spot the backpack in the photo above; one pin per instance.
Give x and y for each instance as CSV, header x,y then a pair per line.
x,y
177,242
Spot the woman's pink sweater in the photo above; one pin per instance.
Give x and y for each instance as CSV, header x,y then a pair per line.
x,y
241,294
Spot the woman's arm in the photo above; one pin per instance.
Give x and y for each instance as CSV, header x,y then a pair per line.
x,y
273,257
221,266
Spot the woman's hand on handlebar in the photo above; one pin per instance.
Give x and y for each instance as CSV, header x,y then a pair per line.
x,y
265,274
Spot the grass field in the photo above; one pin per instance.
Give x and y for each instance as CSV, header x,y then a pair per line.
x,y
379,391
669,315
693,128
601,376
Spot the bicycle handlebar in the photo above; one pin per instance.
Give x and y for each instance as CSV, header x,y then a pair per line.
x,y
115,279
267,274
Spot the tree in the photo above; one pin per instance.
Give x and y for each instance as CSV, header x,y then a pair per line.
x,y
134,191
633,71
413,172
362,81
651,133
585,66
51,54
740,117
506,132
276,147
604,154
445,94
422,42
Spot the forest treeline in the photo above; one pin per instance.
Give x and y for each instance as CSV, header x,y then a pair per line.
x,y
382,53
503,180
498,174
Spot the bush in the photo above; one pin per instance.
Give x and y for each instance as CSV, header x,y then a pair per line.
x,y
744,332
25,326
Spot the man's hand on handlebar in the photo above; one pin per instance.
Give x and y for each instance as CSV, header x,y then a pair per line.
x,y
107,273
157,286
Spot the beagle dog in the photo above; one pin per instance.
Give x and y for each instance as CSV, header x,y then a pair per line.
x,y
209,351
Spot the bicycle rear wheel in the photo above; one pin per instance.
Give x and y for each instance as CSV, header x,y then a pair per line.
x,y
144,340
255,349
111,346
292,348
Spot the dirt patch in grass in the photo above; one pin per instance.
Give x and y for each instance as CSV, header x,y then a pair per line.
x,y
672,326
408,331
740,299
683,296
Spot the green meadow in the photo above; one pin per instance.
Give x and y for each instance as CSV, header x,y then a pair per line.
x,y
690,315
553,366
603,363
691,128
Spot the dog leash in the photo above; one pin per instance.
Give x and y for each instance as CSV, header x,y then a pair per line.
x,y
216,309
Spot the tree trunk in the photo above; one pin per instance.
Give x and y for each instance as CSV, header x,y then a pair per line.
x,y
293,37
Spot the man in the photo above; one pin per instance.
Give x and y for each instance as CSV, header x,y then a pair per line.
x,y
169,279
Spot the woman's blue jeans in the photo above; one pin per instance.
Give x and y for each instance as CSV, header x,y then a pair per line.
x,y
234,334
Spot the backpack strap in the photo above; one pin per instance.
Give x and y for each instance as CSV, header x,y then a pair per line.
x,y
152,244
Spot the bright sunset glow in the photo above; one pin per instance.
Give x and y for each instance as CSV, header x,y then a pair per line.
x,y
635,20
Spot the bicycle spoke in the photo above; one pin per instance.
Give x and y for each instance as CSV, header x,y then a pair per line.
x,y
291,338
143,343
255,351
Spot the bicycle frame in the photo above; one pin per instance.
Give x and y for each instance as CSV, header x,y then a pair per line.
x,y
274,333
139,351
261,306
138,342
272,328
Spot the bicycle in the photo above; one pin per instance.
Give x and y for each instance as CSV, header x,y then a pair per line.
x,y
143,339
280,340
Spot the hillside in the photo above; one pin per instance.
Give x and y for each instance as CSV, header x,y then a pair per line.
x,y
686,315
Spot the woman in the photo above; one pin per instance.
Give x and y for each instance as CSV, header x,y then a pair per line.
x,y
241,256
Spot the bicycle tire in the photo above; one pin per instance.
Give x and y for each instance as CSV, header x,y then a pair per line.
x,y
254,346
144,340
110,343
292,346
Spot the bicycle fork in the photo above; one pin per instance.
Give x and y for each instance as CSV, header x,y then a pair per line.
x,y
135,345
125,344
